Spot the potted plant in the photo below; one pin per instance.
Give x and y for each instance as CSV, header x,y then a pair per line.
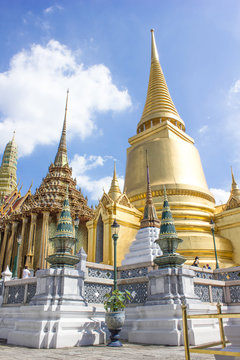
x,y
115,314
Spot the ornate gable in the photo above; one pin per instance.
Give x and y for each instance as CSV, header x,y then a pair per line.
x,y
124,200
232,203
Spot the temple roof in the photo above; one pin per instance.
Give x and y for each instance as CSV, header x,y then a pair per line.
x,y
51,193
12,206
159,104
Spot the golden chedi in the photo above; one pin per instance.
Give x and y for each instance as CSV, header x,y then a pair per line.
x,y
174,162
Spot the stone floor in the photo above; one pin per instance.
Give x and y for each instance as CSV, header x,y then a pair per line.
x,y
127,352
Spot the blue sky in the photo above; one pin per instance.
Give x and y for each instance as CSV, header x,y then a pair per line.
x,y
100,50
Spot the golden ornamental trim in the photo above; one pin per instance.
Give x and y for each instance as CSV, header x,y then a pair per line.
x,y
183,192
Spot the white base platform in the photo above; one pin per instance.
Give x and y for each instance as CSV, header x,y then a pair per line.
x,y
162,325
54,326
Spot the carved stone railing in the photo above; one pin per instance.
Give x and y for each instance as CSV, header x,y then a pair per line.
x,y
134,279
98,282
19,291
210,285
228,274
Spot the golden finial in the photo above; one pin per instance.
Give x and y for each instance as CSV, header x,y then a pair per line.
x,y
114,191
234,184
114,171
31,185
233,179
154,53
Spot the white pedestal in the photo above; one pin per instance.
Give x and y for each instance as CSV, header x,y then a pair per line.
x,y
162,325
171,286
59,286
159,321
57,315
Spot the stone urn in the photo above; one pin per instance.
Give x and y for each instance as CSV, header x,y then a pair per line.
x,y
115,321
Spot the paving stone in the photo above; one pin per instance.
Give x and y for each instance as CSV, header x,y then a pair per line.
x,y
101,352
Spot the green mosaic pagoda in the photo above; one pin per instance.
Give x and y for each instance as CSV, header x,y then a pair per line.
x,y
63,241
168,239
8,170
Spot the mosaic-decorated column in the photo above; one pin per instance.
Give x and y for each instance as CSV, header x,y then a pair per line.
x,y
20,263
91,226
44,240
10,244
31,241
6,232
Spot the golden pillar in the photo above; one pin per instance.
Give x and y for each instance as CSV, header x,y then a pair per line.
x,y
10,244
91,226
20,261
44,240
31,241
6,232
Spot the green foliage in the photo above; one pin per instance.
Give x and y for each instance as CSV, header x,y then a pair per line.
x,y
116,300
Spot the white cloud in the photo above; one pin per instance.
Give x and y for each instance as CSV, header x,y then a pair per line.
x,y
33,93
221,196
52,9
203,129
82,164
32,19
231,130
233,99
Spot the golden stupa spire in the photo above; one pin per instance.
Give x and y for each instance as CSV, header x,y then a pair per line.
x,y
159,105
150,218
114,191
61,157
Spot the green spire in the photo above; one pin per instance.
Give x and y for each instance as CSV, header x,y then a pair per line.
x,y
167,228
65,227
61,158
8,169
168,239
63,241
